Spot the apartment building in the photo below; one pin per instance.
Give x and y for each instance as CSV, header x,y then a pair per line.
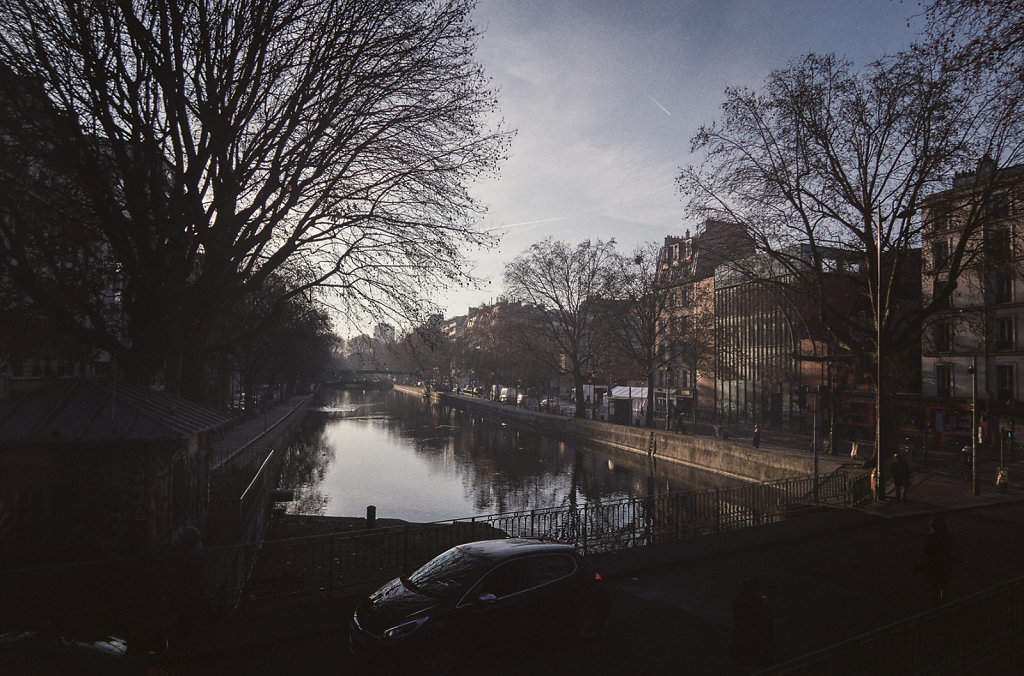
x,y
774,362
686,271
972,349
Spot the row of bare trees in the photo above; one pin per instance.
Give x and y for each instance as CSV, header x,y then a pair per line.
x,y
572,311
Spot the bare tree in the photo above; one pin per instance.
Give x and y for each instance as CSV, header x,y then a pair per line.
x,y
565,284
644,316
826,167
282,341
987,34
983,40
214,142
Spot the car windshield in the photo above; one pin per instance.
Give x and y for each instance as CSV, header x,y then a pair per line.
x,y
448,575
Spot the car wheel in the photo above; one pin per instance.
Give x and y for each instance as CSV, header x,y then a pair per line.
x,y
588,622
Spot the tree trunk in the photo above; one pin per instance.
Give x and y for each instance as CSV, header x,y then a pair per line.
x,y
581,404
649,418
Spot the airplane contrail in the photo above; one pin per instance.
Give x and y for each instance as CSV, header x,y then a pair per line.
x,y
516,225
659,105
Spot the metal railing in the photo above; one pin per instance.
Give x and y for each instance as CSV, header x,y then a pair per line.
x,y
347,562
353,562
977,634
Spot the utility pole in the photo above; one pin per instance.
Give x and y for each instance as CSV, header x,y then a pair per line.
x,y
879,481
814,440
973,370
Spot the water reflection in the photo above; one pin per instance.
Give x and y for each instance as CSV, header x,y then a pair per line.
x,y
418,461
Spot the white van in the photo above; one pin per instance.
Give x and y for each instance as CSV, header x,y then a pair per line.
x,y
508,395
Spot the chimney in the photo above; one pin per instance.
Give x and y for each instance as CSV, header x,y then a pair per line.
x,y
986,166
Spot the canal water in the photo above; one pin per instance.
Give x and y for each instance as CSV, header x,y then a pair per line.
x,y
421,462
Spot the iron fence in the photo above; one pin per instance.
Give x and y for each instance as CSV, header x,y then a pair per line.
x,y
352,562
347,562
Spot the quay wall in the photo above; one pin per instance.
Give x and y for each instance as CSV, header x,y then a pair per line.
x,y
704,452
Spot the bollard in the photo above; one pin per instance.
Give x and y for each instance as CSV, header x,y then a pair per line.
x,y
371,516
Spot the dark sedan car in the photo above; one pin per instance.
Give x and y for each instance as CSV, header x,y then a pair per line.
x,y
481,597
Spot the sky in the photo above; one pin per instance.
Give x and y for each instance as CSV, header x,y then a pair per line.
x,y
605,96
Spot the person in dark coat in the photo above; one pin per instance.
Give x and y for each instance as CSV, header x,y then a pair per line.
x,y
754,638
940,553
900,477
966,461
757,436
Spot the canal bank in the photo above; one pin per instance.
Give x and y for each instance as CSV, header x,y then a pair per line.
x,y
831,576
734,459
671,602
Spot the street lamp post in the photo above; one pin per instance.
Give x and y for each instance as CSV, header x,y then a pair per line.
x,y
814,441
973,370
879,481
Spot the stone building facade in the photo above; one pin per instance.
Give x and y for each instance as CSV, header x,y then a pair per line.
x,y
972,348
686,271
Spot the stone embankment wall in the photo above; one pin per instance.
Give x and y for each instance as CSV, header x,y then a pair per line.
x,y
704,452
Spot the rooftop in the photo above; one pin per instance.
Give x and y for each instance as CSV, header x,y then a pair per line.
x,y
100,409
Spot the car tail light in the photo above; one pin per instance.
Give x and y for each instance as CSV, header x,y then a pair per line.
x,y
597,577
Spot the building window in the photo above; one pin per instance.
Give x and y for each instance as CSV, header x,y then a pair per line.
x,y
999,244
938,219
998,205
944,337
940,253
944,380
1004,333
939,287
1005,382
1002,286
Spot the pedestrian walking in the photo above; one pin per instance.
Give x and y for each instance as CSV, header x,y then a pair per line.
x,y
757,437
680,425
900,476
966,461
940,553
754,636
